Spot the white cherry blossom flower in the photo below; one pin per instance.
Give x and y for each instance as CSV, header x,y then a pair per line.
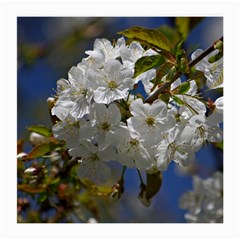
x,y
173,148
212,71
74,95
205,202
103,51
106,120
216,116
131,150
192,104
110,83
200,132
130,54
73,131
92,161
149,121
191,107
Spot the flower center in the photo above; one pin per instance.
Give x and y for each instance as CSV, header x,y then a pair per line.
x,y
112,85
105,126
94,157
150,121
134,142
83,92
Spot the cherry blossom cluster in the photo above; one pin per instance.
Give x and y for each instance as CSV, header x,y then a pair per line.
x,y
205,202
102,119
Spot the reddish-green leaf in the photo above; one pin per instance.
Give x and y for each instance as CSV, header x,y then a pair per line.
x,y
41,149
44,131
162,71
145,63
148,36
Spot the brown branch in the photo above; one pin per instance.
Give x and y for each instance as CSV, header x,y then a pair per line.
x,y
155,95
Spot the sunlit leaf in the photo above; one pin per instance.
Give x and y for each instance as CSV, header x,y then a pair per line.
x,y
44,131
41,149
148,36
145,63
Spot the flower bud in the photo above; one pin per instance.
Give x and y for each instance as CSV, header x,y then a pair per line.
x,y
50,102
143,196
117,189
31,171
92,220
36,139
22,156
55,156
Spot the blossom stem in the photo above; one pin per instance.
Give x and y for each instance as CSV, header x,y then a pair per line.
x,y
140,177
155,95
123,171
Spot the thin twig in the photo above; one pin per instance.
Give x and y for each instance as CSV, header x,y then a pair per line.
x,y
155,95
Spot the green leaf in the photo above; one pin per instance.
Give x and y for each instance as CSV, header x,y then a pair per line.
x,y
154,182
170,33
219,46
41,149
184,87
183,66
215,58
148,36
178,46
178,100
44,131
145,63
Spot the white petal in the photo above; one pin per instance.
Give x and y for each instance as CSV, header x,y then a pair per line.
x,y
158,108
214,119
115,115
176,83
107,154
219,105
215,134
138,109
80,108
75,74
